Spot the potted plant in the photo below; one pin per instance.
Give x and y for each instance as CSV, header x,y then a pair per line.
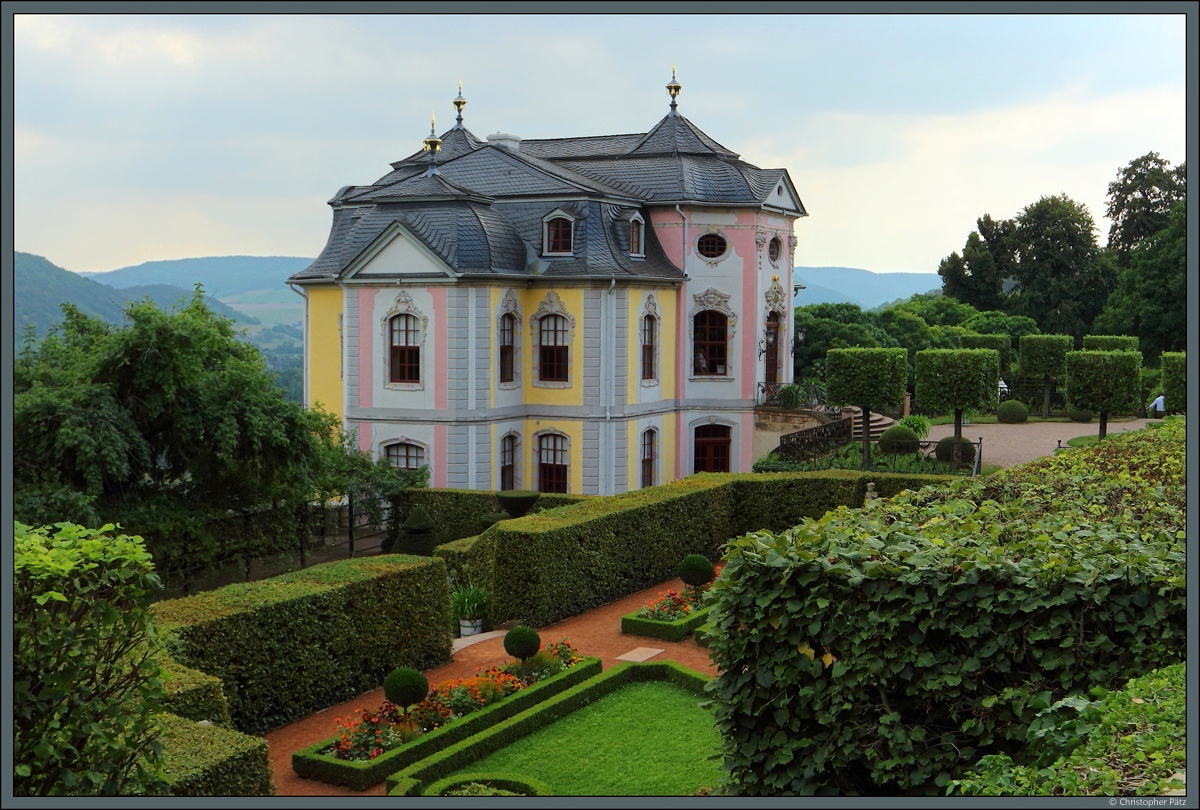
x,y
470,605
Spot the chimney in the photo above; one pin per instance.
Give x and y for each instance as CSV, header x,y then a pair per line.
x,y
502,139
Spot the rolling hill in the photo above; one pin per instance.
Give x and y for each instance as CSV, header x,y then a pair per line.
x,y
41,287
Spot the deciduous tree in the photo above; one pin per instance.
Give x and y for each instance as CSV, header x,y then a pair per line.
x,y
1141,199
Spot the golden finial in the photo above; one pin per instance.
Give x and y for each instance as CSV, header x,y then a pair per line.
x,y
459,103
673,87
433,142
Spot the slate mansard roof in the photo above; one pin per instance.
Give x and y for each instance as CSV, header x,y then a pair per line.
x,y
480,207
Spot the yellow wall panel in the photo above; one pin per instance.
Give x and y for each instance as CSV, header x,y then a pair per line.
x,y
324,371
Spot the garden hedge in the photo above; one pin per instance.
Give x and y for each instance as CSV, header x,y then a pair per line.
x,y
514,783
451,758
206,760
1129,741
459,513
1174,380
956,380
301,642
310,763
882,651
872,378
561,562
1110,343
193,694
1001,343
677,630
1044,358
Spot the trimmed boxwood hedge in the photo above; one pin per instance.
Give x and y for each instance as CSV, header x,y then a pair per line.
x,y
883,650
546,567
303,641
204,760
1174,380
459,513
361,775
521,785
677,630
443,763
193,694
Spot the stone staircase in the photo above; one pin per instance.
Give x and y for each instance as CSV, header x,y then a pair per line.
x,y
878,424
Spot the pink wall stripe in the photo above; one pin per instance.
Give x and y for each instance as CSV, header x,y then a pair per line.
x,y
749,328
365,437
366,348
747,441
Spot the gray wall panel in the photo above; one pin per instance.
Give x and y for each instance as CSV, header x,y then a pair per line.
x,y
621,346
350,338
591,458
592,338
456,456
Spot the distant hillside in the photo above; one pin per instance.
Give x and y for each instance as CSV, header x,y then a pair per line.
x,y
222,276
862,287
40,287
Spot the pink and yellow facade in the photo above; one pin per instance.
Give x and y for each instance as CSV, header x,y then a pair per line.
x,y
581,315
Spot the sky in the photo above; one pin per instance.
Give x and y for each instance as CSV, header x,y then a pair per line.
x,y
147,137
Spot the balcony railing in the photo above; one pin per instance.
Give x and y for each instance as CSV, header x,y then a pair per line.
x,y
808,396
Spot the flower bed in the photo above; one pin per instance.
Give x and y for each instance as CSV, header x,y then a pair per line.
x,y
371,745
670,617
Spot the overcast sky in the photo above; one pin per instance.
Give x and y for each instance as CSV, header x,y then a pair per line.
x,y
163,137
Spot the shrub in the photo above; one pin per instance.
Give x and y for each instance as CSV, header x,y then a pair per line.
x,y
1110,343
405,686
1080,415
517,502
522,642
899,439
86,683
1011,412
1174,381
696,570
791,396
917,423
945,450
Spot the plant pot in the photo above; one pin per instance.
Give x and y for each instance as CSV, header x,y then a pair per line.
x,y
470,627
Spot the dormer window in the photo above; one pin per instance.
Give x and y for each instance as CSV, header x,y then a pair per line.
x,y
558,235
637,237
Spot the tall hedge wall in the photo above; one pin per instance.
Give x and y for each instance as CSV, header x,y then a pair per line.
x,y
1174,381
297,643
1110,343
543,568
1001,343
204,760
459,513
883,650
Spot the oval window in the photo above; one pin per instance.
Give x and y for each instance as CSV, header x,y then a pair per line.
x,y
711,246
774,248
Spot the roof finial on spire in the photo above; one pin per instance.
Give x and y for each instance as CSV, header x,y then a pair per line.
x,y
432,144
459,103
673,88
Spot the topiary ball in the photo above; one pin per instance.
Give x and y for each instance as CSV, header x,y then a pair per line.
x,y
405,686
1011,412
522,642
945,450
1080,415
696,570
899,439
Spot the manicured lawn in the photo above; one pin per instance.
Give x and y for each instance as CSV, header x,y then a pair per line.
x,y
645,739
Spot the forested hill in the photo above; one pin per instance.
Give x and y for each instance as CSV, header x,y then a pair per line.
x,y
40,287
222,276
832,285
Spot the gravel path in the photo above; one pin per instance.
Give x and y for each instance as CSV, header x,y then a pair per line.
x,y
1009,445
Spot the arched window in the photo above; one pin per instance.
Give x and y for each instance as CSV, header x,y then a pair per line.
x,y
649,346
558,233
637,238
405,456
553,457
553,342
649,456
404,359
508,462
712,448
507,330
710,344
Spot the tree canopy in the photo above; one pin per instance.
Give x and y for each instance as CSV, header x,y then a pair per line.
x,y
1141,199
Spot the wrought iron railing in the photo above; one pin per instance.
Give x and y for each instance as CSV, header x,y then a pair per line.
x,y
815,441
808,395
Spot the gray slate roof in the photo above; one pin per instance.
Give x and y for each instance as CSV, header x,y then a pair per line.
x,y
481,209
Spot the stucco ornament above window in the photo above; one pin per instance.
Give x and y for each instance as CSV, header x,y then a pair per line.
x,y
716,301
776,298
403,305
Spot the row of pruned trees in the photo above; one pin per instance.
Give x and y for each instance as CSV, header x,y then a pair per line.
x,y
1103,378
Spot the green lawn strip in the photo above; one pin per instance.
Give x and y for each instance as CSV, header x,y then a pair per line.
x,y
677,630
684,747
361,775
